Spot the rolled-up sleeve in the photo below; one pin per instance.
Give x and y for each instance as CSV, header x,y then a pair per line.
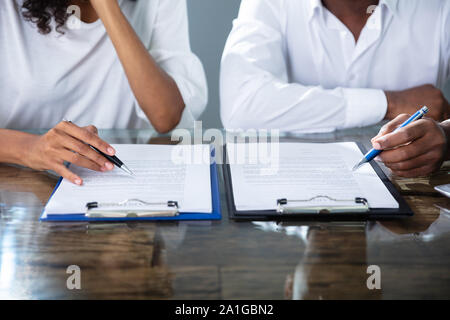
x,y
169,45
255,87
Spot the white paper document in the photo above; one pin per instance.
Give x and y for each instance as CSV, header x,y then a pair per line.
x,y
444,189
161,175
303,171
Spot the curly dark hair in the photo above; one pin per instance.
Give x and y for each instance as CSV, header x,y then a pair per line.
x,y
41,13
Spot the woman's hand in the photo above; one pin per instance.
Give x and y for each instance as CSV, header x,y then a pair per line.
x,y
416,150
156,91
68,142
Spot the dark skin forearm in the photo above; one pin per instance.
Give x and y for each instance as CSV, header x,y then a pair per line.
x,y
409,100
156,92
446,128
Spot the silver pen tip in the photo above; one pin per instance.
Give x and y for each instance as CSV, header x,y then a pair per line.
x,y
127,170
359,165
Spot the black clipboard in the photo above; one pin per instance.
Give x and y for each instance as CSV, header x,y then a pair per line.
x,y
273,215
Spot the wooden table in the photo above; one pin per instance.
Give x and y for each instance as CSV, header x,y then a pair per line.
x,y
225,259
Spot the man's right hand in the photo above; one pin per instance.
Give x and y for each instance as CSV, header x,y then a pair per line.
x,y
415,150
409,101
68,142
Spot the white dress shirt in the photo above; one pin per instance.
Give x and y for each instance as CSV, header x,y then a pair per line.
x,y
292,65
78,75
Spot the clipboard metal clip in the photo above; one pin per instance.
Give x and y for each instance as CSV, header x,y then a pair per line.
x,y
331,205
132,208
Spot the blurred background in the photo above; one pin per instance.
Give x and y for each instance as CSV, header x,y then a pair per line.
x,y
210,23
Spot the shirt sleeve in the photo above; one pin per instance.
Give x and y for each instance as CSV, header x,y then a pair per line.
x,y
446,39
169,45
255,88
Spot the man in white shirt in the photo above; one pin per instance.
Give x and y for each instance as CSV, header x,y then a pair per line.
x,y
318,66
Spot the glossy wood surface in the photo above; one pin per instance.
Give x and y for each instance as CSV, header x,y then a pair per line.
x,y
224,259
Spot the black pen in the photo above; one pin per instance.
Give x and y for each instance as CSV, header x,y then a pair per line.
x,y
116,161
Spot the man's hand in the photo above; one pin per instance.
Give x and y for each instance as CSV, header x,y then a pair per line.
x,y
67,142
408,101
416,150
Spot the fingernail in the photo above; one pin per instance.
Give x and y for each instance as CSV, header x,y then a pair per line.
x,y
377,145
109,166
111,151
378,159
78,182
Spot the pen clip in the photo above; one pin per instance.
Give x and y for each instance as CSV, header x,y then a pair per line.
x,y
358,204
132,208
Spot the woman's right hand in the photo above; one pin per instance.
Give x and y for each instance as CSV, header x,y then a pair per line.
x,y
68,142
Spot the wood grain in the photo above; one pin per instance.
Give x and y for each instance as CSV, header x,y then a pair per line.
x,y
225,259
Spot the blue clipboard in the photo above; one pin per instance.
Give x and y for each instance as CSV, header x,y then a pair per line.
x,y
215,215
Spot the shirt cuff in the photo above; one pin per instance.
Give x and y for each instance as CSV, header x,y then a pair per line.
x,y
365,107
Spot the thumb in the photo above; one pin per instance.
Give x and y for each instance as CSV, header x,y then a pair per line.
x,y
391,126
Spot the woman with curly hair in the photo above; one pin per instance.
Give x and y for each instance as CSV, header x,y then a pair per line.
x,y
104,63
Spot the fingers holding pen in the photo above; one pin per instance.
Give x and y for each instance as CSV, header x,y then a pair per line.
x,y
67,142
391,126
415,150
83,147
87,135
86,151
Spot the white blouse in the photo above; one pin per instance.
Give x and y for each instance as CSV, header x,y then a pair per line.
x,y
78,76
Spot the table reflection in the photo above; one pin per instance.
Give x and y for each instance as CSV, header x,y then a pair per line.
x,y
336,257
